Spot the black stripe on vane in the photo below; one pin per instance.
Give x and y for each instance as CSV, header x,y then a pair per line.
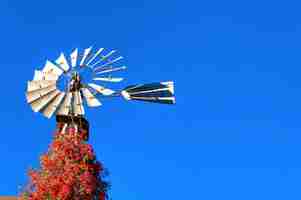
x,y
164,93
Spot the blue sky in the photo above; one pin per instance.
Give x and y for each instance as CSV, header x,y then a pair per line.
x,y
235,130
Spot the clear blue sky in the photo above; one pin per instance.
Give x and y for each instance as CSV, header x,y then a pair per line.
x,y
235,130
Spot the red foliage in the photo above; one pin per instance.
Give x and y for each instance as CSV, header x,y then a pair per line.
x,y
69,171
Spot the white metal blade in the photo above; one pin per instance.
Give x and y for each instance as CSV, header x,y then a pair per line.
x,y
65,107
43,101
36,85
108,55
96,54
86,53
39,75
112,61
78,107
90,98
73,57
52,107
52,68
101,90
103,58
34,95
108,79
62,62
110,69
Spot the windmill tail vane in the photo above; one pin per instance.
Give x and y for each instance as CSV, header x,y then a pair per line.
x,y
81,75
152,92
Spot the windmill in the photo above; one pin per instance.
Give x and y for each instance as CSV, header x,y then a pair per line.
x,y
65,86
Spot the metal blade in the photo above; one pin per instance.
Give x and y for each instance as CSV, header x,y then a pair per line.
x,y
52,107
90,98
65,107
86,53
108,55
78,107
108,79
101,90
73,57
62,62
34,95
96,54
112,61
109,69
36,85
38,104
103,58
39,75
52,68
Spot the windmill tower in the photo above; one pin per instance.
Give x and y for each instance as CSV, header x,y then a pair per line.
x,y
65,85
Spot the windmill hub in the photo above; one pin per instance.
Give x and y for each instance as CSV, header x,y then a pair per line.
x,y
75,83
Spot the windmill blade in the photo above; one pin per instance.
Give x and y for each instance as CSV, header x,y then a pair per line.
x,y
62,62
53,106
103,58
48,76
96,54
90,98
65,107
113,61
38,75
108,69
110,62
38,104
36,94
86,54
108,79
36,85
52,68
108,55
73,57
154,92
101,90
78,108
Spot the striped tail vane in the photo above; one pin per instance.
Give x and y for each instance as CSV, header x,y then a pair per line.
x,y
162,92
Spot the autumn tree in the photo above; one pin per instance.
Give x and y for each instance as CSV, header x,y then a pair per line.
x,y
69,170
